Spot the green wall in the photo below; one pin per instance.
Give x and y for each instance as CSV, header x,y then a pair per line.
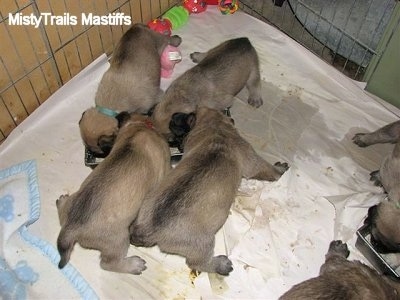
x,y
383,73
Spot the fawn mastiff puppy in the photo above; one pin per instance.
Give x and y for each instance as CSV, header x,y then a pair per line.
x,y
132,83
384,219
98,215
341,279
219,75
183,215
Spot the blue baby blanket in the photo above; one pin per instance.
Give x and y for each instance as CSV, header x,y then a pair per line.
x,y
28,263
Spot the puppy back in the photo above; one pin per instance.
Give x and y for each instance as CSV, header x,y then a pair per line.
x,y
126,45
231,51
139,43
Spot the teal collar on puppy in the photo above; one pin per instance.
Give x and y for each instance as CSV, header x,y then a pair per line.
x,y
106,111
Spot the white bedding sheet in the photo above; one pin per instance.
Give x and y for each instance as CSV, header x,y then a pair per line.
x,y
277,233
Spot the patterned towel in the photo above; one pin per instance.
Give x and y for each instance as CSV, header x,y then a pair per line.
x,y
28,263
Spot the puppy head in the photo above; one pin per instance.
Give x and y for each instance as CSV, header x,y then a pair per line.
x,y
180,125
98,131
384,222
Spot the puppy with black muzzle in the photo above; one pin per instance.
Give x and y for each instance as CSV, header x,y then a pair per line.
x,y
98,215
132,84
384,218
190,205
219,75
342,279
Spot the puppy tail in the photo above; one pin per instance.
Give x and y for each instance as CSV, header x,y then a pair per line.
x,y
65,244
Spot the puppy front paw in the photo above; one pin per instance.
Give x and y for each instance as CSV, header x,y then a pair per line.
x,y
255,102
358,139
338,248
137,265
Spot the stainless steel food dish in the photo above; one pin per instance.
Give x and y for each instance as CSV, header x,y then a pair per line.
x,y
376,259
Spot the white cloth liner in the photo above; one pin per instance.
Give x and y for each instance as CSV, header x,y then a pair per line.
x,y
277,233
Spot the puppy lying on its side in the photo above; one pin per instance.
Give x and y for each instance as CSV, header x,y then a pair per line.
x,y
190,205
219,75
132,84
341,279
98,215
384,218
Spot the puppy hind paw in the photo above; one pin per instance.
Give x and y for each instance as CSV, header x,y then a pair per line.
x,y
339,248
175,40
375,177
195,57
136,265
223,265
282,167
61,198
358,140
255,102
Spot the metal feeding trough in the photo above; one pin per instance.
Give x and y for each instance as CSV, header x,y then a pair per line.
x,y
91,160
376,259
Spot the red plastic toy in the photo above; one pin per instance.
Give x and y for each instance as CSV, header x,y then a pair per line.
x,y
161,25
195,6
169,57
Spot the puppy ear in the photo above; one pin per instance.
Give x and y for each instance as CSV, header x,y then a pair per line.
x,y
105,143
80,120
151,110
122,118
372,214
191,120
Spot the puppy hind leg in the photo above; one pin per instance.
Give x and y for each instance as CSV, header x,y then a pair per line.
x,y
259,169
60,202
113,258
338,248
335,257
266,175
140,237
200,258
220,101
220,264
254,87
